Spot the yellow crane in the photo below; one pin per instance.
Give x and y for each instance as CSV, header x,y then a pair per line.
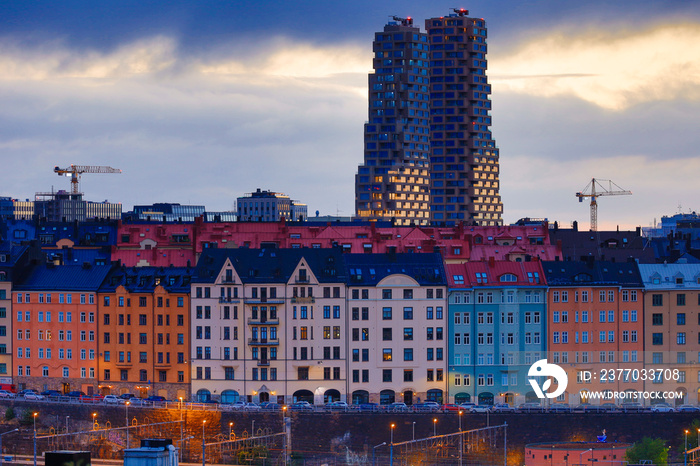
x,y
591,191
74,171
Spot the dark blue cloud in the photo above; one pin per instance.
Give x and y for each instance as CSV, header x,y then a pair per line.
x,y
104,24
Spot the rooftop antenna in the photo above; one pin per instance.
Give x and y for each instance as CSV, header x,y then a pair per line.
x,y
460,11
408,21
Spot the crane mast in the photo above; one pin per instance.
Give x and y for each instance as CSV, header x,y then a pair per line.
x,y
74,171
594,190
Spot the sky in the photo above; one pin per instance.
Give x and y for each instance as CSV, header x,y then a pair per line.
x,y
202,102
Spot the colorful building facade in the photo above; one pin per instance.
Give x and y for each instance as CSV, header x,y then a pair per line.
x,y
497,328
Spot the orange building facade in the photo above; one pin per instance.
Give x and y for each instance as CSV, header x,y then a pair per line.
x,y
55,328
596,333
144,318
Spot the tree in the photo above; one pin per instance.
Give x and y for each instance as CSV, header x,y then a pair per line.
x,y
648,449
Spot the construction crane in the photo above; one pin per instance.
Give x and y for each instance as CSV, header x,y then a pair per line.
x,y
595,189
74,171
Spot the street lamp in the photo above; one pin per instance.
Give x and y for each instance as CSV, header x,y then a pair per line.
x,y
580,457
204,463
34,419
434,427
126,418
460,420
8,432
414,430
374,461
181,440
67,417
94,421
252,433
391,446
230,429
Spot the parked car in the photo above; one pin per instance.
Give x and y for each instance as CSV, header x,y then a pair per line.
x,y
301,406
467,406
336,406
110,399
33,396
271,407
631,407
559,408
398,407
76,394
48,393
449,407
6,394
367,407
502,408
251,407
238,405
480,409
127,396
427,407
661,408
531,407
687,409
156,399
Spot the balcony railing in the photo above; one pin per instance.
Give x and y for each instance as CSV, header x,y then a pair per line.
x,y
263,341
224,299
260,320
307,300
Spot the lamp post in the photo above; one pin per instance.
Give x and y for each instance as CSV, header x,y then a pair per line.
x,y
4,433
67,417
204,463
34,419
391,446
460,420
181,440
126,419
698,437
434,427
374,461
230,430
685,453
414,430
580,457
252,433
94,421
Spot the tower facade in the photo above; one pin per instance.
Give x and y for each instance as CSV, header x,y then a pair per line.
x,y
464,181
429,154
393,181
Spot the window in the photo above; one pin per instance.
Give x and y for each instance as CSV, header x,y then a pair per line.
x,y
407,313
657,319
680,318
408,354
386,313
386,375
657,339
657,300
386,354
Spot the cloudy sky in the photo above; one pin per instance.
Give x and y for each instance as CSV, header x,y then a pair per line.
x,y
199,102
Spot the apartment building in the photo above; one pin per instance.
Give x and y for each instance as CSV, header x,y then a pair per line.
x,y
143,320
497,328
55,327
397,328
269,325
671,323
595,322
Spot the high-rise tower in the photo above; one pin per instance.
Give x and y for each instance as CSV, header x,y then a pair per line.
x,y
393,181
464,183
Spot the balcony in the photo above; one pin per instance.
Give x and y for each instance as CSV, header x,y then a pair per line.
x,y
263,300
263,342
300,279
307,300
261,321
124,364
162,365
224,299
263,362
